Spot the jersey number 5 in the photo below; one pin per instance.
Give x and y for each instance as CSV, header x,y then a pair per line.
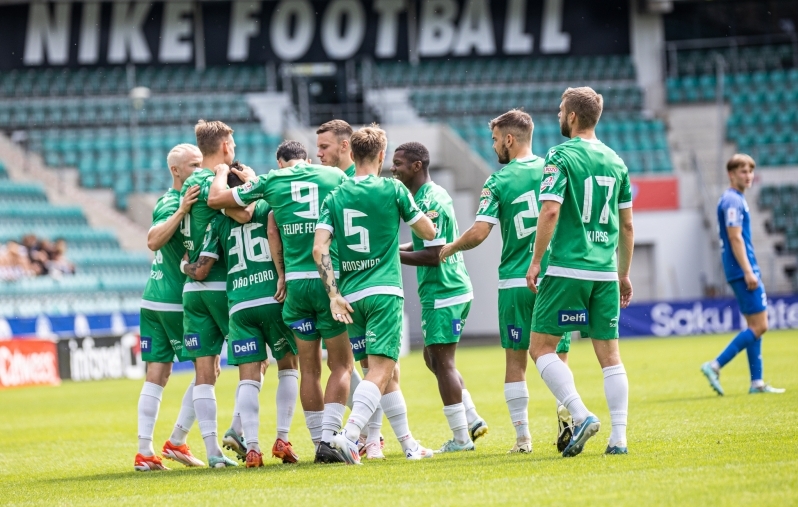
x,y
531,212
311,198
351,229
247,247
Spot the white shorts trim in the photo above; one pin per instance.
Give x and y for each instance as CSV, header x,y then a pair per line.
x,y
624,205
387,290
161,307
512,283
455,300
435,242
203,286
237,198
306,275
550,197
583,274
416,218
243,305
486,218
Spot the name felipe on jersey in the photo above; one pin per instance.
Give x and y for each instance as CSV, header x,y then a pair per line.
x,y
299,228
245,347
359,265
191,341
570,317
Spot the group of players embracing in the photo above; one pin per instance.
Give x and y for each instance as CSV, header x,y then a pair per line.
x,y
308,257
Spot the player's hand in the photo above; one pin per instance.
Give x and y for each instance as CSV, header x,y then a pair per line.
x,y
625,286
245,174
341,310
532,275
751,281
221,168
218,366
191,196
447,251
280,294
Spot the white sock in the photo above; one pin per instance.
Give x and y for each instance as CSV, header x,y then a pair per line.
x,y
374,426
456,417
364,431
205,407
235,424
470,408
249,405
149,403
364,403
393,404
616,389
354,381
331,421
516,394
287,390
185,419
560,381
313,421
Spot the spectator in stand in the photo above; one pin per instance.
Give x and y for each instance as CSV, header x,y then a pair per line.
x,y
14,263
59,264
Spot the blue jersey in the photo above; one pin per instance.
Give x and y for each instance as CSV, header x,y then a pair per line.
x,y
733,212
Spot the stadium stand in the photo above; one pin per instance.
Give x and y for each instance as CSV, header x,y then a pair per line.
x,y
466,94
782,201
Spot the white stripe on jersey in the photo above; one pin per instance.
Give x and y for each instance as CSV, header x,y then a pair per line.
x,y
583,274
161,307
306,275
387,290
202,286
456,300
243,305
512,283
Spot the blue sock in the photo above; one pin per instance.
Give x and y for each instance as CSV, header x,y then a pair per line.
x,y
755,359
739,343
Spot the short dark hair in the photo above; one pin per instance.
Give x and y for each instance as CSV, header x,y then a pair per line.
x,y
341,129
739,160
415,152
516,122
232,178
291,150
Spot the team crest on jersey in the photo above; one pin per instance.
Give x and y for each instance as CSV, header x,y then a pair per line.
x,y
551,169
483,205
514,333
548,182
432,214
246,187
485,192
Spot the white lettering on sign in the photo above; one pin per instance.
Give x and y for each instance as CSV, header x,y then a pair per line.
x,y
175,29
387,26
19,369
476,30
437,27
126,40
285,44
516,40
340,43
243,26
89,45
552,38
46,33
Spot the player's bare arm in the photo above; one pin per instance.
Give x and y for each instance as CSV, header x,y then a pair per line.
x,y
428,256
339,307
219,196
626,245
738,249
471,238
276,248
159,235
198,270
424,228
547,221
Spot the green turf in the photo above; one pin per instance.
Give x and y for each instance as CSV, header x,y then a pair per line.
x,y
74,444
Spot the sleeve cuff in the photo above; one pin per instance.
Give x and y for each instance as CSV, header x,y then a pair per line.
x,y
325,227
488,219
550,197
415,218
237,198
435,242
624,205
223,212
209,254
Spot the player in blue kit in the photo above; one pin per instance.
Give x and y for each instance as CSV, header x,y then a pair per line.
x,y
742,273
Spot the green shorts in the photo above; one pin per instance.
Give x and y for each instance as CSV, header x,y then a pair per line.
x,y
204,322
377,326
569,304
516,307
441,326
253,329
161,336
307,310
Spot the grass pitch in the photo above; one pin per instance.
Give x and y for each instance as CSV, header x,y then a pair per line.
x,y
74,444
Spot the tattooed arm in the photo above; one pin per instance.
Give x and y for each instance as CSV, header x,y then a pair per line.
x,y
198,270
339,307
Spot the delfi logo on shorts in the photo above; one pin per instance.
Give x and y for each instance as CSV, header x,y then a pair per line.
x,y
245,347
192,341
457,327
358,344
303,326
572,317
145,343
514,333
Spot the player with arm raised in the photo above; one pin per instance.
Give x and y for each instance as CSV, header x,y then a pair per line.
x,y
509,199
444,289
255,322
205,320
162,316
742,273
295,192
585,216
362,218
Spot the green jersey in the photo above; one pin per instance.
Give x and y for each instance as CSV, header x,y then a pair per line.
x,y
592,183
509,199
350,171
363,217
294,194
251,277
166,281
194,227
447,284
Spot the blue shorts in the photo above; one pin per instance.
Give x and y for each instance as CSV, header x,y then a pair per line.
x,y
750,301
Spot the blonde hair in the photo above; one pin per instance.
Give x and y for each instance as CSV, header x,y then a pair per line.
x,y
515,122
210,134
586,103
367,143
739,160
177,153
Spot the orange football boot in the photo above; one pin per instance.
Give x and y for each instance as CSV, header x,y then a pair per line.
x,y
254,459
181,454
283,450
148,463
